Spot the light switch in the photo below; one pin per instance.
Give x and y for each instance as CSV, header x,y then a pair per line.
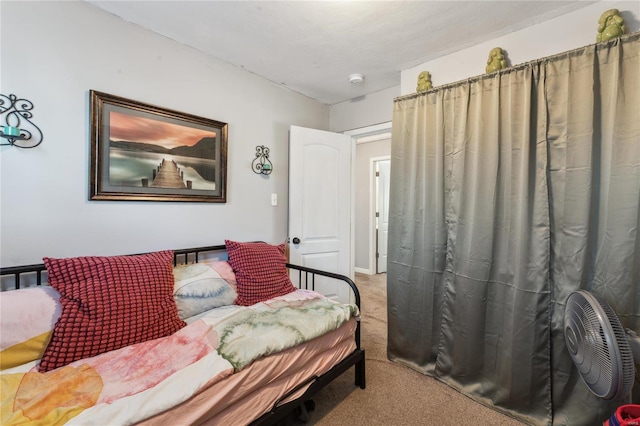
x,y
274,199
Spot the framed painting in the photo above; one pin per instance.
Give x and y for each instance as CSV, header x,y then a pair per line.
x,y
141,152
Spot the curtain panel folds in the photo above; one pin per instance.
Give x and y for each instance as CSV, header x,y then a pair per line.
x,y
508,192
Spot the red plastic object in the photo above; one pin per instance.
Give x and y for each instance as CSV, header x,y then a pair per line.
x,y
625,415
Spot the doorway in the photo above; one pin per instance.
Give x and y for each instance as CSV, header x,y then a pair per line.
x,y
372,143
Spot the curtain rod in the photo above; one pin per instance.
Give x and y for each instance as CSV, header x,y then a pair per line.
x,y
597,46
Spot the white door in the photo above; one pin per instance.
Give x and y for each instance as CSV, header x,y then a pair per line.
x,y
320,212
382,213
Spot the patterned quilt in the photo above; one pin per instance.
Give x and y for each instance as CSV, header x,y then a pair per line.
x,y
139,381
271,327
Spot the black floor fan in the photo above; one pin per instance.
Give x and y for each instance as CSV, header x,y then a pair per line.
x,y
601,349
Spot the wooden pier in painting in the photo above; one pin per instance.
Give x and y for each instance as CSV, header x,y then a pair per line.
x,y
167,175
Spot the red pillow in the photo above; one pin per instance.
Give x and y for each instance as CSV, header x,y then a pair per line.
x,y
109,303
261,271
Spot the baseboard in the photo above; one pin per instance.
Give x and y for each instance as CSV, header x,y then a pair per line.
x,y
363,271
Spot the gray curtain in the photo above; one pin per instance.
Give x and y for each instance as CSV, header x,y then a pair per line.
x,y
508,192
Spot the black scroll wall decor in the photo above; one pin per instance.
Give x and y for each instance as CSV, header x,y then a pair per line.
x,y
261,164
15,123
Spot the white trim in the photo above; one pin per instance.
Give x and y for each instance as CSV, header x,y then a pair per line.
x,y
374,133
356,135
363,271
369,130
373,197
374,138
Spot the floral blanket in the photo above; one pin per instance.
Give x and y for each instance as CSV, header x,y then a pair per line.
x,y
271,327
136,382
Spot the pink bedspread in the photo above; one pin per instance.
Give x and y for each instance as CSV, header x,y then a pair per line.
x,y
59,395
140,381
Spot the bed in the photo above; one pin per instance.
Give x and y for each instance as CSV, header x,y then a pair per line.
x,y
227,347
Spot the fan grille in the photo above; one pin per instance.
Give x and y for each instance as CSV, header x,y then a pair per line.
x,y
598,345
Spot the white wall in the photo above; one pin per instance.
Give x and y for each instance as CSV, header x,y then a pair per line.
x,y
53,53
560,34
566,32
363,111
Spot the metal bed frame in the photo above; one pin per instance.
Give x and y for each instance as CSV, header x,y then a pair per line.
x,y
306,280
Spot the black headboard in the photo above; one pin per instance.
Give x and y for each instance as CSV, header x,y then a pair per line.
x,y
33,274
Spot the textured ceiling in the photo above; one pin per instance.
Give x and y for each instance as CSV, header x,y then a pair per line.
x,y
312,47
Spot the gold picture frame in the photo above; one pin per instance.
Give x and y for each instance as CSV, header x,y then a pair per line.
x,y
142,152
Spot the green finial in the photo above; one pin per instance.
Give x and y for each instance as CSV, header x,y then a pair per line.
x,y
610,26
496,60
424,81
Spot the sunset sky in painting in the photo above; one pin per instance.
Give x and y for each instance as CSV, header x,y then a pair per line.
x,y
130,128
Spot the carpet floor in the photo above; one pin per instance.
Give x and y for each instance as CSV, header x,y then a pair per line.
x,y
395,395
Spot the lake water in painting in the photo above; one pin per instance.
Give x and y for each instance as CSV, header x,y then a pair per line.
x,y
128,168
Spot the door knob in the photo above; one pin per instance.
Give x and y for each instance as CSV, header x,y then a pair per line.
x,y
296,240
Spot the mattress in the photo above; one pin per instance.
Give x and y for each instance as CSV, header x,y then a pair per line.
x,y
245,396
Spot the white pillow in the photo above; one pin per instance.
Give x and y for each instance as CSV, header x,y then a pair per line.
x,y
198,288
27,318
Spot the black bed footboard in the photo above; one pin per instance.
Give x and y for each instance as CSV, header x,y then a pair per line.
x,y
307,279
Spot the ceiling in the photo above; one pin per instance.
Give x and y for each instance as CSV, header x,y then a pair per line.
x,y
312,47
